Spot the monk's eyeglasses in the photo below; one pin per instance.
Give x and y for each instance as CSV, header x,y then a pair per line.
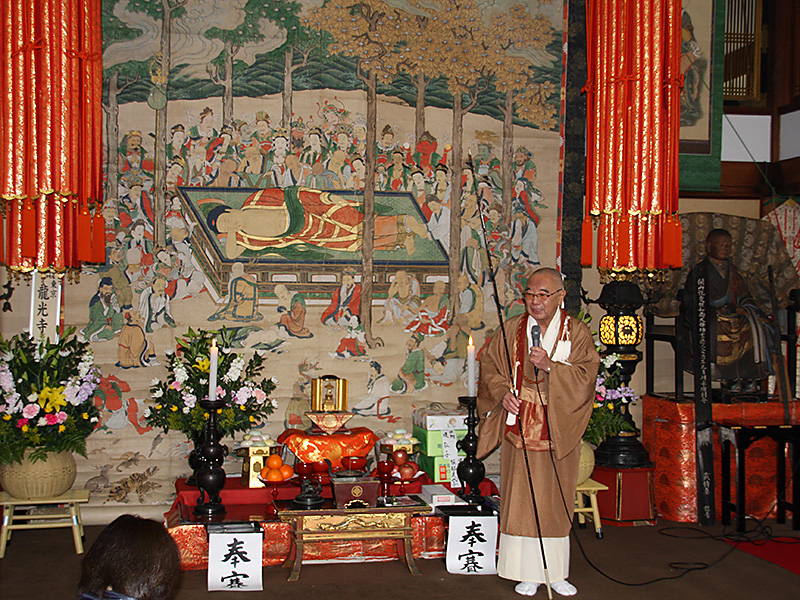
x,y
540,296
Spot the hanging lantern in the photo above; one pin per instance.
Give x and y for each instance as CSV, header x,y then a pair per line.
x,y
621,329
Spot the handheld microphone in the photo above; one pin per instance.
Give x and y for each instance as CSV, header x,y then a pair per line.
x,y
536,335
536,340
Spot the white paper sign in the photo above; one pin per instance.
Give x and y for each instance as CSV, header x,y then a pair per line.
x,y
472,545
449,440
234,562
45,306
455,482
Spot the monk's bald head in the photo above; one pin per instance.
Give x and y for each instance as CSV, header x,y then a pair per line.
x,y
553,277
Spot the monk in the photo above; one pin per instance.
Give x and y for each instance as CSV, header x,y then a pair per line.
x,y
547,381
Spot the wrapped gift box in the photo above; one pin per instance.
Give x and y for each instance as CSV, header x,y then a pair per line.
x,y
437,468
668,434
444,416
430,441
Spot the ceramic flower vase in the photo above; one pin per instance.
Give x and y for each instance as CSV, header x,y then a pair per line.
x,y
46,478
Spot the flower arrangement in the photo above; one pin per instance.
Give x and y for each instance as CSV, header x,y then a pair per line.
x,y
610,403
176,403
46,396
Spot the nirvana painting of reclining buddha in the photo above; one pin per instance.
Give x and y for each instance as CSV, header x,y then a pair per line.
x,y
342,199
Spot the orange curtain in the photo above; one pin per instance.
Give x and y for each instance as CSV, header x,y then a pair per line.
x,y
50,132
633,121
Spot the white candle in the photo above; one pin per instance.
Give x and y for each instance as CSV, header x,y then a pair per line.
x,y
470,368
212,371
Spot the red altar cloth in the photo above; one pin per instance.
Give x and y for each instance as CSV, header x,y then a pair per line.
x,y
668,434
311,447
428,539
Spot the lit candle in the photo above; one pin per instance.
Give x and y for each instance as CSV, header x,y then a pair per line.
x,y
212,371
470,368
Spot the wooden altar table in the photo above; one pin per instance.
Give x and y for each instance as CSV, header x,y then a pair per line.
x,y
253,504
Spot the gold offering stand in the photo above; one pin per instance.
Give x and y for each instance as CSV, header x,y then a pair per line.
x,y
329,523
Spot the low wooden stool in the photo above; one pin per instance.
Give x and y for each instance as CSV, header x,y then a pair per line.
x,y
70,516
589,488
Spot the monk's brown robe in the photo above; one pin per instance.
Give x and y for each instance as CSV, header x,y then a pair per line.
x,y
568,392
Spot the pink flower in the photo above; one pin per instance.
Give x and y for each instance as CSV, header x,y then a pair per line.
x,y
30,411
260,395
51,418
61,417
175,385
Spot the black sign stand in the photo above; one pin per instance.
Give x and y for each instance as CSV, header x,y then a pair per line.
x,y
703,415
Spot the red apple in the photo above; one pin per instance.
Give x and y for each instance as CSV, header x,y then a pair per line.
x,y
413,464
400,456
407,471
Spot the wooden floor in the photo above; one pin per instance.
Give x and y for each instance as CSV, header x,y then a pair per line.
x,y
42,564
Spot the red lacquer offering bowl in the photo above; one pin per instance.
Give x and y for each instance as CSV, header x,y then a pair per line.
x,y
354,463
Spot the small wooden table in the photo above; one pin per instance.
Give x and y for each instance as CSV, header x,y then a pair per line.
x,y
330,523
738,435
69,516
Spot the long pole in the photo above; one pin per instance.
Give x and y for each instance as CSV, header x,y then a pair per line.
x,y
512,387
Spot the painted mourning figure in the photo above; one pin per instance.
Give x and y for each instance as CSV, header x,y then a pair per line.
x,y
738,337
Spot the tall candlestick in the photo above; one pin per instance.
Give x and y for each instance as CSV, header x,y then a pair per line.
x,y
470,368
212,371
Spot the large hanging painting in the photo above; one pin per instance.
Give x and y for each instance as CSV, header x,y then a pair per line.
x,y
340,184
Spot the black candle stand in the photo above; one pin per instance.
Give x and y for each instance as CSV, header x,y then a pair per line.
x,y
470,470
210,455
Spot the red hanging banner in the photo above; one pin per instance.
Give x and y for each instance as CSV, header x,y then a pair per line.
x,y
633,54
50,130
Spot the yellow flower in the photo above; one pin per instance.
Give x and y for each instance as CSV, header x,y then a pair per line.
x,y
252,419
610,406
173,408
203,364
85,415
52,399
219,411
242,407
205,415
24,428
7,417
159,406
61,429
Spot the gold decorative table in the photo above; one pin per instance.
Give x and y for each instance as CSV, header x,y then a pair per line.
x,y
329,523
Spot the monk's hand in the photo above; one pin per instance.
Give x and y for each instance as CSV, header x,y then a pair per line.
x,y
511,403
540,359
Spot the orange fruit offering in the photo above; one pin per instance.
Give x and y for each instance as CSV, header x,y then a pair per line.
x,y
273,475
274,461
287,471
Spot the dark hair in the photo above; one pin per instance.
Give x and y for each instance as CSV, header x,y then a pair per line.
x,y
214,214
132,556
718,233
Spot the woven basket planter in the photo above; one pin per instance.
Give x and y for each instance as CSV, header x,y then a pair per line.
x,y
46,478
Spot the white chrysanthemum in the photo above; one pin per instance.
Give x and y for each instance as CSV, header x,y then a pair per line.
x,y
186,410
235,371
274,380
180,374
158,393
155,381
147,412
274,403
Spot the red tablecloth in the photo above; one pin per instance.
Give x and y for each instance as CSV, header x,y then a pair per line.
x,y
235,493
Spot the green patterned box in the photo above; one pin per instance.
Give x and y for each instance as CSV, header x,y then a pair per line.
x,y
437,468
430,442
